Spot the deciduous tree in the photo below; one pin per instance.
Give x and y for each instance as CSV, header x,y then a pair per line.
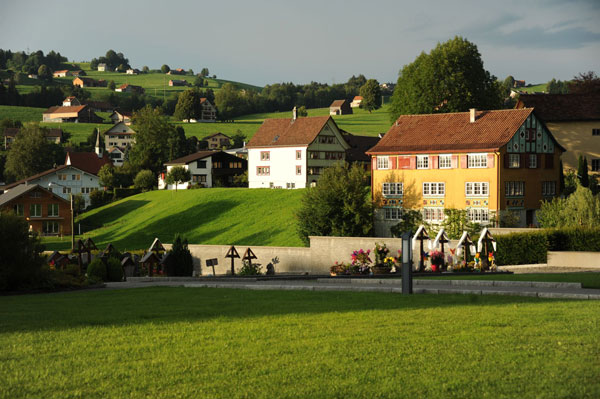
x,y
178,175
371,94
188,105
165,68
145,180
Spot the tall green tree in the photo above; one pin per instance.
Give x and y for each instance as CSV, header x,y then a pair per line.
x,y
371,94
582,171
188,105
165,68
145,180
451,78
229,102
31,153
44,73
557,87
178,175
339,205
582,208
153,139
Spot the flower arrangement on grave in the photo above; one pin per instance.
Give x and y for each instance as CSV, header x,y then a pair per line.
x,y
339,269
478,265
492,262
437,260
361,261
381,252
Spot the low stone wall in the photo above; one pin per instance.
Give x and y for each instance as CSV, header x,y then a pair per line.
x,y
588,260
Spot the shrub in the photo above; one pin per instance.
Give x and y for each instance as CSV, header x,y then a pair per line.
x,y
99,198
249,269
96,271
144,180
21,261
522,248
180,262
114,271
574,239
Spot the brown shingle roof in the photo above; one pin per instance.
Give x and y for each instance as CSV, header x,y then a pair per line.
x,y
562,107
287,132
452,132
359,145
61,110
337,103
87,161
191,158
34,177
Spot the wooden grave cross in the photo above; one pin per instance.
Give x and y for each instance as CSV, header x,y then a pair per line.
x,y
232,253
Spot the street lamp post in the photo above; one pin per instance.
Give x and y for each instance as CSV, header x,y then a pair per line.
x,y
72,213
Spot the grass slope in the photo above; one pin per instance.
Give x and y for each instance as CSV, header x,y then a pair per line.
x,y
205,216
219,343
23,114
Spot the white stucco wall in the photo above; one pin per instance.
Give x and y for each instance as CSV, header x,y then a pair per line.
x,y
282,164
86,181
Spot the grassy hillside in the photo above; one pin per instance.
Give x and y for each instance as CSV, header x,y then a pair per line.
x,y
24,114
206,216
534,88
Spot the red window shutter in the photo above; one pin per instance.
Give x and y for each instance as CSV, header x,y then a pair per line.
x,y
435,162
490,160
403,162
394,162
549,161
413,163
506,161
374,160
463,162
454,161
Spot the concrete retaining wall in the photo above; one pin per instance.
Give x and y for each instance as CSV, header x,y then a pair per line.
x,y
589,260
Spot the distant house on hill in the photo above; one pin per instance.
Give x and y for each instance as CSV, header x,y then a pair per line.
x,y
117,141
340,107
61,74
217,141
103,68
78,73
178,71
356,102
209,112
127,88
71,101
52,135
132,71
121,116
177,82
206,168
87,82
519,83
79,113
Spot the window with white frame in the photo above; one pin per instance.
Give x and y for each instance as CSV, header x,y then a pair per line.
x,y
52,210
290,185
392,213
265,155
62,176
422,161
66,190
477,161
514,161
298,155
479,215
383,162
532,161
35,210
515,188
477,189
263,170
445,162
298,169
434,189
393,189
548,188
433,214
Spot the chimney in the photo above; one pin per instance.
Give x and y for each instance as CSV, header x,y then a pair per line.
x,y
472,111
294,114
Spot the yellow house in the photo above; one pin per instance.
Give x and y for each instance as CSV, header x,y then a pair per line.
x,y
481,161
574,120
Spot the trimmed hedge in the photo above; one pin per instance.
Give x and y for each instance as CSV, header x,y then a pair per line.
x,y
532,247
96,270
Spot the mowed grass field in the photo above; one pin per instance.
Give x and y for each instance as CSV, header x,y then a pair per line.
x,y
236,216
220,343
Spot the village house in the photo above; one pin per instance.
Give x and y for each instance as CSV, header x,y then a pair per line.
x,y
127,88
177,82
103,68
78,113
78,73
178,71
53,135
340,107
356,102
117,141
485,162
88,82
209,112
45,212
132,71
121,116
574,120
217,141
292,153
207,169
71,101
61,74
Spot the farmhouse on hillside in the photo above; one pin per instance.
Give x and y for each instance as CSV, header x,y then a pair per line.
x,y
71,101
574,120
207,168
61,74
103,68
217,141
78,113
127,88
340,107
209,112
88,82
177,82
292,153
121,116
117,141
356,102
45,212
485,162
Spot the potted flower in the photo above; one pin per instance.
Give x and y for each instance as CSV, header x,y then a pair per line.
x,y
360,262
383,262
437,261
337,269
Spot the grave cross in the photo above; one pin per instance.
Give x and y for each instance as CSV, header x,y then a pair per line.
x,y
232,253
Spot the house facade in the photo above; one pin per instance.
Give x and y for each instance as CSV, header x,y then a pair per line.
x,y
356,101
79,113
45,212
292,153
485,162
127,88
209,112
217,141
340,107
117,141
121,116
87,82
207,169
61,74
574,120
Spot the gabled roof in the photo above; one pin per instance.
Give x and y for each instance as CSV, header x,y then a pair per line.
x,y
452,132
192,157
357,98
337,103
65,110
215,134
359,145
288,132
35,177
21,189
562,107
87,161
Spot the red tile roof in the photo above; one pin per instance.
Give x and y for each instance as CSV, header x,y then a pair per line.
x,y
61,110
451,132
287,132
87,161
562,107
357,98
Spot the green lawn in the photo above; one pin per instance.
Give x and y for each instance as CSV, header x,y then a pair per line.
x,y
24,114
534,88
236,216
588,280
219,343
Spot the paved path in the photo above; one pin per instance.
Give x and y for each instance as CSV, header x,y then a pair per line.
x,y
428,286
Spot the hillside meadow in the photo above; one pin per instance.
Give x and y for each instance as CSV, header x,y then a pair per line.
x,y
237,216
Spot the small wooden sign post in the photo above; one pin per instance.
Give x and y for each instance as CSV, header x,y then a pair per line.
x,y
232,253
212,262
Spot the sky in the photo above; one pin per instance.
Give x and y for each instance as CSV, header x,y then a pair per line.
x,y
272,41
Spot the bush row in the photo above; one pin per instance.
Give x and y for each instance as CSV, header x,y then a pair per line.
x,y
532,247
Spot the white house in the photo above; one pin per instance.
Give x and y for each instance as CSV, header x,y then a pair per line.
x,y
356,101
206,169
292,153
117,140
